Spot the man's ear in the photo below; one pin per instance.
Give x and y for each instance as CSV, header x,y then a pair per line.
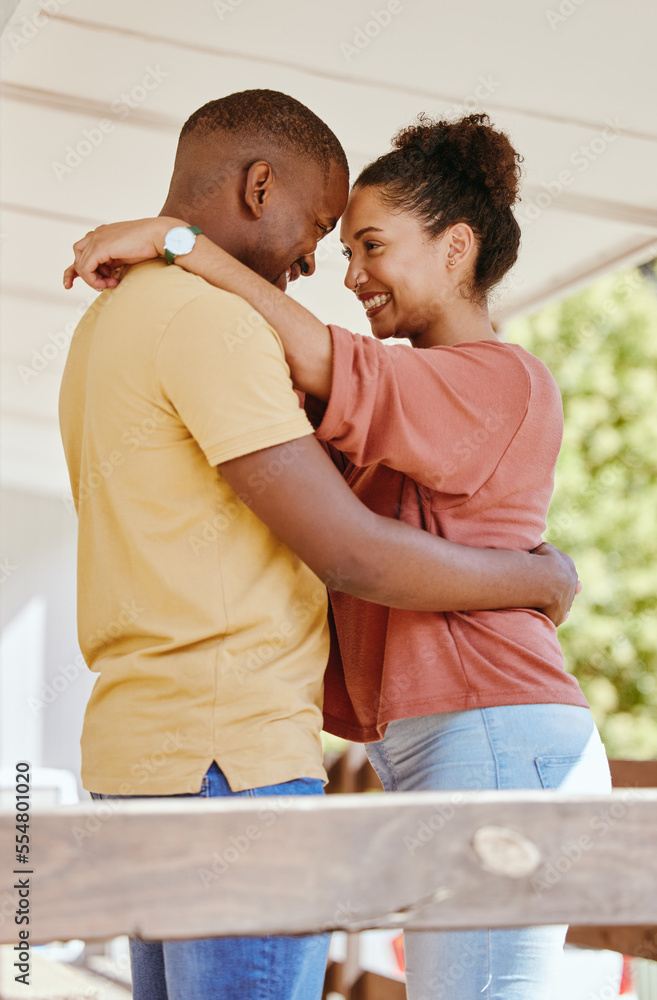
x,y
259,182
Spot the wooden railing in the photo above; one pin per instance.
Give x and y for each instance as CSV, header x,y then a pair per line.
x,y
172,869
352,772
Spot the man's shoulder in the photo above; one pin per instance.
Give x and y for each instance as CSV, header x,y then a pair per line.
x,y
179,288
152,294
182,311
157,279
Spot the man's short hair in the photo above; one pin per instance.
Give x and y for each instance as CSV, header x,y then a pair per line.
x,y
270,115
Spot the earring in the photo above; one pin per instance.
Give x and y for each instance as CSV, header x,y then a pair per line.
x,y
451,261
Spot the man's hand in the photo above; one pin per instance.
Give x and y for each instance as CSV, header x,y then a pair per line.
x,y
103,252
567,584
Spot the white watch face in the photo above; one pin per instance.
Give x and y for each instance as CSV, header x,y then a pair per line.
x,y
179,240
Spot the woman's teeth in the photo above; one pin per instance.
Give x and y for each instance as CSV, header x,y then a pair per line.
x,y
376,301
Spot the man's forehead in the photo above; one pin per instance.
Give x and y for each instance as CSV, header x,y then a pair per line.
x,y
336,193
323,192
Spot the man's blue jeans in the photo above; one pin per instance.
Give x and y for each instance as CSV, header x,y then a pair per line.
x,y
231,968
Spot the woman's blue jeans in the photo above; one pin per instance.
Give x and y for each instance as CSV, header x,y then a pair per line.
x,y
513,746
231,968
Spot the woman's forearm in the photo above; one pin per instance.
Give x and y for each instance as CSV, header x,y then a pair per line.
x,y
306,340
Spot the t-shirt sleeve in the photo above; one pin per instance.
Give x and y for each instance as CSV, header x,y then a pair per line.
x,y
443,416
223,369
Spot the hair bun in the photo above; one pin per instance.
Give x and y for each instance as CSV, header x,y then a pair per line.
x,y
470,146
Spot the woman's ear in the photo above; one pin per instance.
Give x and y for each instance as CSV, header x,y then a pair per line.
x,y
259,182
461,242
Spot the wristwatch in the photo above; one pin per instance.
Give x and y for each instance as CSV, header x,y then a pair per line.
x,y
179,240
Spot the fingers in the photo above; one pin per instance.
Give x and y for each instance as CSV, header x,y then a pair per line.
x,y
89,265
99,282
70,274
546,549
81,244
578,589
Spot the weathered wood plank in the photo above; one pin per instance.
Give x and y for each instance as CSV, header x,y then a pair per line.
x,y
289,865
351,771
370,986
637,941
640,942
633,773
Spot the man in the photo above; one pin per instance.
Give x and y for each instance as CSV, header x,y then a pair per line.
x,y
209,517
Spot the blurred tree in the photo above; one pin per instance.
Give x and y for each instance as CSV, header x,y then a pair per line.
x,y
601,347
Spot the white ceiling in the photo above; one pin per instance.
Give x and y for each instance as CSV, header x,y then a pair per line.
x,y
572,81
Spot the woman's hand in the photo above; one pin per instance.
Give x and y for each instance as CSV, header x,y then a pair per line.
x,y
100,256
568,585
103,252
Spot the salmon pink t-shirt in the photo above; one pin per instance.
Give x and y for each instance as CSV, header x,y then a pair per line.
x,y
463,442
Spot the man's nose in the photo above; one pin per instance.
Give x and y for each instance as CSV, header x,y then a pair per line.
x,y
307,264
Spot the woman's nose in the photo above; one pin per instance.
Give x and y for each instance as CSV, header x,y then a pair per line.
x,y
354,277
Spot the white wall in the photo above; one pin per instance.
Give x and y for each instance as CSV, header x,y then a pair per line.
x,y
44,685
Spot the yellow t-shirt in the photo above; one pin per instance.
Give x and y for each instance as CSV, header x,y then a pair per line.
x,y
209,634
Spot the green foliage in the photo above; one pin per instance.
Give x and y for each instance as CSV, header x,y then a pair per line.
x,y
601,347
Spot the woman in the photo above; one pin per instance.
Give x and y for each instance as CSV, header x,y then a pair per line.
x,y
459,434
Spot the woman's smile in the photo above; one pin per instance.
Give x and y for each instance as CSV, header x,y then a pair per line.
x,y
374,302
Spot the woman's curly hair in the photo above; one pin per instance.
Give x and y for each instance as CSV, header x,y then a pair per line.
x,y
447,172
